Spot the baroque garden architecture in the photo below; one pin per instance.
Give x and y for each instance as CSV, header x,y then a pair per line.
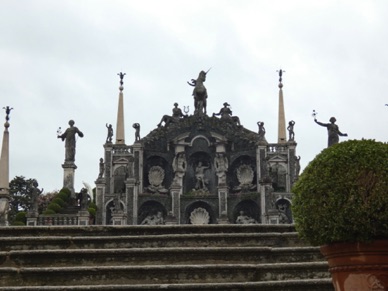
x,y
197,169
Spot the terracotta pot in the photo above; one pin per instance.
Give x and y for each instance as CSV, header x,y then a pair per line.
x,y
358,266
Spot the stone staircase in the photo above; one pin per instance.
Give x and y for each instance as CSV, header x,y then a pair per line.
x,y
172,257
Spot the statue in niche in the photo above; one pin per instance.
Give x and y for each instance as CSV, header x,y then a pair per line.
x,y
283,218
101,168
156,219
245,219
245,176
136,126
116,203
69,136
179,166
155,178
297,166
200,177
110,133
261,130
221,166
35,192
176,115
332,130
199,93
226,114
290,128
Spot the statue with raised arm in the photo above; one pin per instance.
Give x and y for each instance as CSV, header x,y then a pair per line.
x,y
110,133
70,141
261,130
290,129
200,176
136,126
332,131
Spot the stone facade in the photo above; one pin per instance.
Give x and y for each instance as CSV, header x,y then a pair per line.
x,y
197,170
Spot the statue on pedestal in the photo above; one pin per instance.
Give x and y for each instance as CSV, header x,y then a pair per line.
x,y
69,136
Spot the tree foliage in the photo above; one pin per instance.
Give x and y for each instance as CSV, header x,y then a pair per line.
x,y
19,191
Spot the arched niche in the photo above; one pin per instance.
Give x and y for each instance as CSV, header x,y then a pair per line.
x,y
283,205
191,179
153,162
278,174
119,177
150,208
249,209
109,207
242,174
199,208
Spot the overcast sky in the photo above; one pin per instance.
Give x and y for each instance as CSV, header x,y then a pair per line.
x,y
59,61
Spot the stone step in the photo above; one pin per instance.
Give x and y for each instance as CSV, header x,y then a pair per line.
x,y
158,256
37,242
98,230
286,285
161,274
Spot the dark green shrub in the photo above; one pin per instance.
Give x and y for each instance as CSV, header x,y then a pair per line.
x,y
59,201
342,195
20,219
54,207
49,212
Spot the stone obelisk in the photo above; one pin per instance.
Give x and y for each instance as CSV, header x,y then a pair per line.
x,y
120,133
4,172
282,117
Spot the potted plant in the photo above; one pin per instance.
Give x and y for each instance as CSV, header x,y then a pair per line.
x,y
341,204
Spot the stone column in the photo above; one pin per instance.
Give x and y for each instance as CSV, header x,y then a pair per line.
x,y
223,205
261,161
175,216
291,169
68,177
100,186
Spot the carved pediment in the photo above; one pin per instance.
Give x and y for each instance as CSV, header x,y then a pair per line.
x,y
277,159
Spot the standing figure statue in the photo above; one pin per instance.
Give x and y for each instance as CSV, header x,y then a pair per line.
x,y
290,129
136,126
200,176
226,114
332,130
261,130
35,192
69,136
101,168
221,166
199,93
110,133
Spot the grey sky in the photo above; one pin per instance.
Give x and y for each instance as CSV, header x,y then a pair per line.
x,y
60,59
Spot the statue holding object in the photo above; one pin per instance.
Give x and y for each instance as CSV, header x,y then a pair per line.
x,y
332,131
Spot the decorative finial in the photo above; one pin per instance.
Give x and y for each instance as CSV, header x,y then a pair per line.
x,y
7,112
280,77
314,115
121,80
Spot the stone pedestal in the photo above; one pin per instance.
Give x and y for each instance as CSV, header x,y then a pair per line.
x,y
68,177
4,206
119,218
83,217
273,216
32,218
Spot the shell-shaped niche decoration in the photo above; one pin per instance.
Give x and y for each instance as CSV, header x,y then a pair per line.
x,y
199,216
156,176
245,175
